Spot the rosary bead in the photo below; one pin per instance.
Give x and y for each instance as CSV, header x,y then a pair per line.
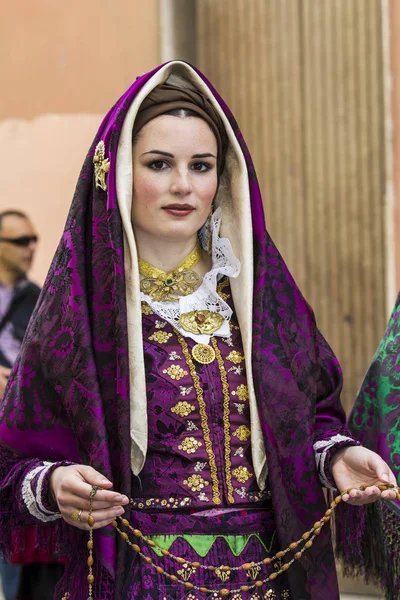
x,y
285,567
317,524
210,568
273,576
280,554
298,555
225,569
90,579
244,588
195,565
293,546
115,524
308,544
338,499
306,535
328,512
137,533
136,548
151,543
90,561
90,545
147,559
204,590
258,583
173,578
247,566
181,561
160,570
165,552
188,585
267,561
90,521
224,592
317,531
125,522
124,535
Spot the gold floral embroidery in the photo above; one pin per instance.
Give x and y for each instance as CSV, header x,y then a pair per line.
x,y
190,445
221,286
183,409
223,574
226,421
161,337
186,572
175,372
146,310
235,357
242,474
196,483
241,392
203,420
243,433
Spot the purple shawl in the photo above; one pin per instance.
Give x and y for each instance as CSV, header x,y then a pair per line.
x,y
68,394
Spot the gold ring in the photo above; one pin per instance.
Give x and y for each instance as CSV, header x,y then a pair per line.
x,y
76,515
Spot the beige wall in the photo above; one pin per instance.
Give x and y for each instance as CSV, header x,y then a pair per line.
x,y
394,14
63,66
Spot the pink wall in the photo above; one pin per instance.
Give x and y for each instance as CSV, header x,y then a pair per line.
x,y
63,66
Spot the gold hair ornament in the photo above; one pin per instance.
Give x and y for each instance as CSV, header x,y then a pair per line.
x,y
297,548
101,166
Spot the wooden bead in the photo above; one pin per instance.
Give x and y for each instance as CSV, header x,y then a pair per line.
x,y
90,521
188,585
285,567
147,560
317,524
90,545
195,565
258,583
165,552
136,548
90,561
114,524
204,590
338,499
298,555
328,512
224,592
247,566
124,535
90,579
327,519
160,570
125,522
151,543
308,544
137,533
267,561
293,546
224,568
306,535
173,578
244,588
317,531
181,561
280,554
210,568
273,576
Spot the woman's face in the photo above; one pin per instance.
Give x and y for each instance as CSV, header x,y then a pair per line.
x,y
174,177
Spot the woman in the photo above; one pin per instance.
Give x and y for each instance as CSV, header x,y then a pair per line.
x,y
173,363
374,421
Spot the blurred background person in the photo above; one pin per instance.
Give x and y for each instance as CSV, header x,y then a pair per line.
x,y
18,297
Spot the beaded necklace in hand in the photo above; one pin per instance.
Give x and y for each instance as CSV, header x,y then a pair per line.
x,y
296,549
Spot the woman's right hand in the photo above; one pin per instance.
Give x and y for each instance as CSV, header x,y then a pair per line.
x,y
71,486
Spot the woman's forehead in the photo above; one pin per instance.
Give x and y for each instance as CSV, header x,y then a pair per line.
x,y
176,132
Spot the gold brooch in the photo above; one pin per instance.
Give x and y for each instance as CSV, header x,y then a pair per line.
x,y
203,353
101,166
201,321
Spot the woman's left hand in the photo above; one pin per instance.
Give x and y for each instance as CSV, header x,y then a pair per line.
x,y
355,466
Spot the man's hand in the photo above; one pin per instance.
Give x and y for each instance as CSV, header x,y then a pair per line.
x,y
4,375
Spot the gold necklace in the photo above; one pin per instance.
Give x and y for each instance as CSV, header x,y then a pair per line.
x,y
168,286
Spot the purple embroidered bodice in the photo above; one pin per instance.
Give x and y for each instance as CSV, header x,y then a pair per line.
x,y
199,450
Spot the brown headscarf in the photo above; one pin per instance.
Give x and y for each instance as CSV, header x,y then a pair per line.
x,y
167,97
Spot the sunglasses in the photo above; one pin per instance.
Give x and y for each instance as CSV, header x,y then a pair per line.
x,y
24,240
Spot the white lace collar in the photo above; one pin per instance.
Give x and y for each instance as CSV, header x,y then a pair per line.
x,y
206,297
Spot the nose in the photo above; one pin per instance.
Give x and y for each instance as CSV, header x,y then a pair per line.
x,y
181,184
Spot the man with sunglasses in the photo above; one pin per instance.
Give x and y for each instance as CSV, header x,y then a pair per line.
x,y
18,296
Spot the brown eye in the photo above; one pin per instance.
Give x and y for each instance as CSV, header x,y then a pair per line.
x,y
158,165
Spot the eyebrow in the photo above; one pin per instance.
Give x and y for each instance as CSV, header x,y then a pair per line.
x,y
205,155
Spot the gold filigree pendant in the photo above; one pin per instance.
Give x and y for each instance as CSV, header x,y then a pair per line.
x,y
201,321
203,354
101,166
